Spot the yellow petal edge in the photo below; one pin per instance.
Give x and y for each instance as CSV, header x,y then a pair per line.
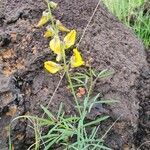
x,y
55,46
44,19
61,27
49,32
76,59
52,67
70,39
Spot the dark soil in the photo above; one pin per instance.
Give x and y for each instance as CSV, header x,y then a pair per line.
x,y
142,135
25,85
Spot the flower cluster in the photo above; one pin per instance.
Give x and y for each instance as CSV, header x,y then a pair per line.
x,y
58,46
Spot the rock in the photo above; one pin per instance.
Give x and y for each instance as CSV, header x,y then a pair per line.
x,y
107,41
4,39
7,94
5,83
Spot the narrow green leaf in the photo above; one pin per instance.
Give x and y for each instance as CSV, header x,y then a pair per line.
x,y
49,114
59,111
105,73
96,121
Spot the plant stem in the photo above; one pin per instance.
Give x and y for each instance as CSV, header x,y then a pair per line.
x,y
64,59
91,84
69,80
52,19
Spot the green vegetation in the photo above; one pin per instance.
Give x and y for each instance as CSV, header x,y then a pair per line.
x,y
132,13
76,132
73,132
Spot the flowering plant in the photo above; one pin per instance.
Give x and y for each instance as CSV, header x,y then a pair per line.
x,y
58,46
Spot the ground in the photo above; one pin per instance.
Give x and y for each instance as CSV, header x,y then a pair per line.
x,y
25,85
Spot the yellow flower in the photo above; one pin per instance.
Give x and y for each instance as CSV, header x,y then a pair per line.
x,y
53,4
59,57
76,59
44,19
49,32
55,45
61,27
52,67
70,38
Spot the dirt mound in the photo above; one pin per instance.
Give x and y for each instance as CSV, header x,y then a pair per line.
x,y
25,84
142,136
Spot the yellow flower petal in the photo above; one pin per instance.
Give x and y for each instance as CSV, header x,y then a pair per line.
x,y
70,38
55,45
44,19
49,32
59,57
52,67
61,27
76,59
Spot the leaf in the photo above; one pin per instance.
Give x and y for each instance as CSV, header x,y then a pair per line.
x,y
44,19
52,67
49,114
61,27
76,59
55,45
49,32
70,38
50,143
105,73
53,5
96,121
59,111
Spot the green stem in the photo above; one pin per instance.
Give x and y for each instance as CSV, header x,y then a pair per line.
x,y
91,84
64,59
69,80
52,19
